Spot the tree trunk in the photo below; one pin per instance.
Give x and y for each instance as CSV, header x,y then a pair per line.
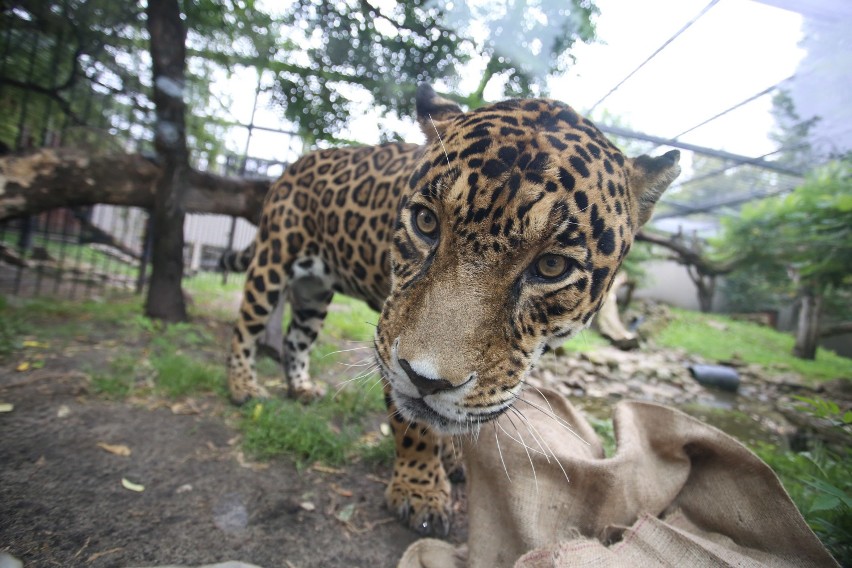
x,y
47,178
168,57
807,331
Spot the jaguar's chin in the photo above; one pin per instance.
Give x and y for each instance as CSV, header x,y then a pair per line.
x,y
415,409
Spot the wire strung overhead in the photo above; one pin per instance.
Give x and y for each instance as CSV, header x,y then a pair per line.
x,y
659,49
735,107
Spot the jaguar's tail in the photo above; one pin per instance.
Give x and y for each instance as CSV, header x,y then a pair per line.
x,y
236,260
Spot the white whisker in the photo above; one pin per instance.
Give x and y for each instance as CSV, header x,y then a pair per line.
x,y
527,450
524,418
438,134
552,453
500,452
552,415
347,350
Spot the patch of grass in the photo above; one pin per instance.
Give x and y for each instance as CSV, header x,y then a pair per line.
x,y
328,430
752,343
179,375
382,453
275,427
587,340
603,427
819,481
820,484
118,381
349,318
12,328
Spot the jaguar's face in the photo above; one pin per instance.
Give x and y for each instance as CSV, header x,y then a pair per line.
x,y
515,223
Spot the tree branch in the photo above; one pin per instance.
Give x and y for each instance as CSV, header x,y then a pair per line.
x,y
687,255
48,178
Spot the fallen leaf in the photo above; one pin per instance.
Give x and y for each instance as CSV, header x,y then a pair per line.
x,y
325,469
385,429
185,408
25,366
63,411
258,410
97,555
376,478
340,491
36,344
241,459
185,488
6,407
346,513
117,449
132,486
307,506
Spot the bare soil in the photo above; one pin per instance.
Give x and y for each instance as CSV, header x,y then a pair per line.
x,y
62,502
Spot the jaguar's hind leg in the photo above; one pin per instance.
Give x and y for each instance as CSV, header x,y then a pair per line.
x,y
310,295
265,284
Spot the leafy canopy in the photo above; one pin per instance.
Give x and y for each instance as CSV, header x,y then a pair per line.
x,y
807,233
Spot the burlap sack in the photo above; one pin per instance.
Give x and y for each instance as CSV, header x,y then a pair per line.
x,y
677,493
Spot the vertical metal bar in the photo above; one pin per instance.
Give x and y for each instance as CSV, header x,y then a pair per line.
x,y
44,219
48,103
63,249
242,170
25,237
147,247
22,141
79,213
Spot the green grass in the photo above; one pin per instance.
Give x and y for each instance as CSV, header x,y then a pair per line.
x,y
749,342
329,430
179,375
350,319
587,340
118,380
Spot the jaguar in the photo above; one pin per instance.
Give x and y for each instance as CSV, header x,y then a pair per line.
x,y
493,241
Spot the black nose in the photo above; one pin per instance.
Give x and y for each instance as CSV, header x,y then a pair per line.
x,y
425,386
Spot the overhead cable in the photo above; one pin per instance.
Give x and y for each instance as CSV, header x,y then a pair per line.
x,y
659,49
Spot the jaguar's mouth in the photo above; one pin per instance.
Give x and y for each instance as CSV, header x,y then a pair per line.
x,y
416,409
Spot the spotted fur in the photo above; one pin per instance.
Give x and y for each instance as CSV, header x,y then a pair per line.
x,y
498,237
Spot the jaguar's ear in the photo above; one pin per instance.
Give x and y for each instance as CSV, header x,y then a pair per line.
x,y
649,178
434,112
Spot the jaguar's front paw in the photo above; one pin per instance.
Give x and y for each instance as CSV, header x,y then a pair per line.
x,y
242,393
422,502
307,391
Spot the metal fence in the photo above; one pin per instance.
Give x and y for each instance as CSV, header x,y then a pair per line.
x,y
103,250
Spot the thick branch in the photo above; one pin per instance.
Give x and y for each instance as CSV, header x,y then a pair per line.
x,y
686,255
836,329
50,178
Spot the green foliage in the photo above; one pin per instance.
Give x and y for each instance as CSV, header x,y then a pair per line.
x,y
118,380
330,60
179,375
587,340
11,329
820,480
349,318
605,430
330,430
808,231
749,342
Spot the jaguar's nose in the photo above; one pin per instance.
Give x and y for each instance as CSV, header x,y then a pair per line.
x,y
425,386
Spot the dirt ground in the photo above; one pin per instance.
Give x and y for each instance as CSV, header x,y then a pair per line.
x,y
62,502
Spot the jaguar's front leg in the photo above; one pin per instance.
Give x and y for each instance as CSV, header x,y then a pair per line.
x,y
419,490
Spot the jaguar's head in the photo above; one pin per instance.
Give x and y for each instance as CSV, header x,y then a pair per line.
x,y
514,223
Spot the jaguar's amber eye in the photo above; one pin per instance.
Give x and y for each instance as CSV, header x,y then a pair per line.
x,y
550,266
425,222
